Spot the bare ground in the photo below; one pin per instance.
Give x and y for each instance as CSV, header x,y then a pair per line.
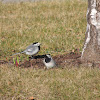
x,y
70,59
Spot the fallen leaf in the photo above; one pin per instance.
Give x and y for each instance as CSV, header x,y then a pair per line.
x,y
31,98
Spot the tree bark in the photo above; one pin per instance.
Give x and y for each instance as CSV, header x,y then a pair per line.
x,y
91,49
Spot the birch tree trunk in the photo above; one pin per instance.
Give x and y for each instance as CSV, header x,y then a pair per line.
x,y
91,49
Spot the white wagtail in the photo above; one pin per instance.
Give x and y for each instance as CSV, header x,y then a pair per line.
x,y
31,49
48,61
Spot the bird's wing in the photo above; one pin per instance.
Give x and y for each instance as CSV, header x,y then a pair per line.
x,y
30,48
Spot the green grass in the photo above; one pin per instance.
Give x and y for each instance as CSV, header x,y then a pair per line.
x,y
60,27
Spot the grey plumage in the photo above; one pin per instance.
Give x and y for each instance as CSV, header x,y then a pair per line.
x,y
31,49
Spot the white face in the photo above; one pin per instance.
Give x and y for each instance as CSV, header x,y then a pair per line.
x,y
37,44
49,56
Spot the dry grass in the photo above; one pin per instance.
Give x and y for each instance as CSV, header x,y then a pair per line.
x,y
54,84
60,27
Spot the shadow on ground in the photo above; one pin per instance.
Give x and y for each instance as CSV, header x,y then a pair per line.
x,y
72,59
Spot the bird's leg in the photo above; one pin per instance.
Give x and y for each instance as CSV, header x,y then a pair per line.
x,y
31,62
35,58
45,68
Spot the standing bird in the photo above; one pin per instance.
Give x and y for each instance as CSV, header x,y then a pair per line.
x,y
48,61
31,49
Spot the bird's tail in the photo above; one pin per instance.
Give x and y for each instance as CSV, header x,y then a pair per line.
x,y
17,53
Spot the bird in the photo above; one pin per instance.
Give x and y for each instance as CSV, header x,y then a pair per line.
x,y
31,50
48,61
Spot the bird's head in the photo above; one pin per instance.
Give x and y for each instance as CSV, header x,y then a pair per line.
x,y
36,44
48,55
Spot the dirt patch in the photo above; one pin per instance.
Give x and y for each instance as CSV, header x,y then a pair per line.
x,y
3,62
61,61
72,59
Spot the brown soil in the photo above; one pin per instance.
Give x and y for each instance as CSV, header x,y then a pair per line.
x,y
69,60
61,61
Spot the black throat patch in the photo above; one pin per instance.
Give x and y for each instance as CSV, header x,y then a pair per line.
x,y
39,47
47,60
